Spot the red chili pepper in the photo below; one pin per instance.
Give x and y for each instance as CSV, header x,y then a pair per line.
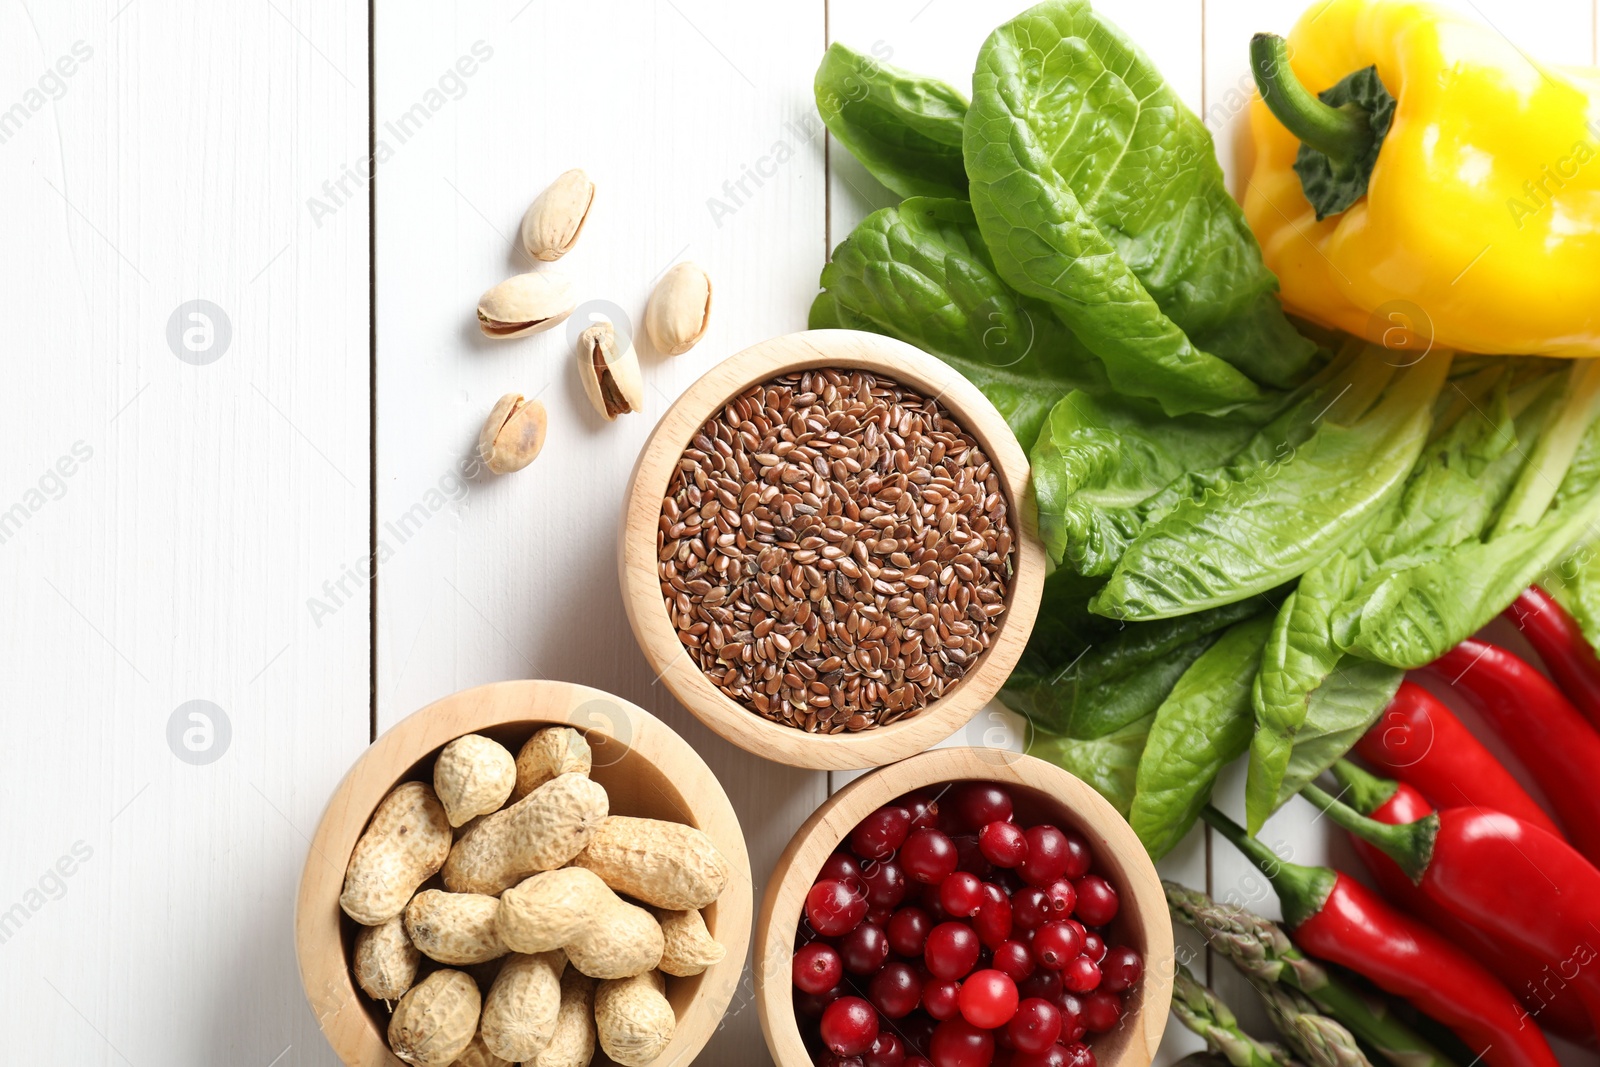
x,y
1563,649
1541,726
1546,996
1497,872
1421,742
1342,921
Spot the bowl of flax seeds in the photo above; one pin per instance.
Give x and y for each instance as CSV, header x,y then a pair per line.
x,y
836,534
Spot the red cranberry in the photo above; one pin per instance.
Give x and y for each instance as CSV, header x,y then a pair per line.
x,y
1030,907
928,856
941,999
896,990
979,803
951,951
1061,898
993,920
1079,858
886,883
881,833
1015,959
908,931
1081,975
849,1026
960,895
988,999
1097,901
1054,1056
878,915
1122,968
1047,855
923,809
1056,944
833,908
1101,1011
1094,946
840,867
1035,1026
864,949
817,968
1072,1008
887,1051
1078,1055
957,1043
1003,844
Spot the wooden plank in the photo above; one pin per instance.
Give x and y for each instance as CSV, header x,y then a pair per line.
x,y
696,123
167,510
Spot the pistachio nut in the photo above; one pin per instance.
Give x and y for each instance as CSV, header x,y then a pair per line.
x,y
513,434
556,217
610,377
679,309
525,304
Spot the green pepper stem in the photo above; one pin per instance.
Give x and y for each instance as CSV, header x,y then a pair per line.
x,y
1367,792
1343,134
1302,891
1408,844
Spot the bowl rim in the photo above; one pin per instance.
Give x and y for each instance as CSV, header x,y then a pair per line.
x,y
325,972
1112,839
639,572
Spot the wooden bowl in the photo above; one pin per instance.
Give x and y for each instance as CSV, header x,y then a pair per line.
x,y
1041,792
647,769
647,611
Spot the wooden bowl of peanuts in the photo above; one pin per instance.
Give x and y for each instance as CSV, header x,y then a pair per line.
x,y
589,894
829,550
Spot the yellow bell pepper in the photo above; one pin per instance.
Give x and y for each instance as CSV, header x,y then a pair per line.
x,y
1475,221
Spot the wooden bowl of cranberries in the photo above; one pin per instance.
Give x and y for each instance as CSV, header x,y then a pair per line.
x,y
964,908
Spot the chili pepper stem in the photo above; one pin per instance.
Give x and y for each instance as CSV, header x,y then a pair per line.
x,y
1367,792
1302,891
1343,134
1408,844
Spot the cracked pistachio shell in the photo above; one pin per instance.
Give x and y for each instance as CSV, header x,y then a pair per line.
x,y
525,304
611,378
513,434
556,217
679,309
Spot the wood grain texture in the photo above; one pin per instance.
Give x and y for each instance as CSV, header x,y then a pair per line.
x,y
146,900
647,770
1042,793
695,121
640,570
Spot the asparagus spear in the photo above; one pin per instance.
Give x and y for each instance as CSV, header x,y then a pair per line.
x,y
1264,953
1202,1011
1323,1042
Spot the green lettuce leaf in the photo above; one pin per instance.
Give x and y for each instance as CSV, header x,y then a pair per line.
x,y
919,272
1109,764
1341,709
1449,497
1280,518
904,128
1098,191
1204,724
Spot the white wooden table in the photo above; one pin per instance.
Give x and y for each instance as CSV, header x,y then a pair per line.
x,y
190,493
